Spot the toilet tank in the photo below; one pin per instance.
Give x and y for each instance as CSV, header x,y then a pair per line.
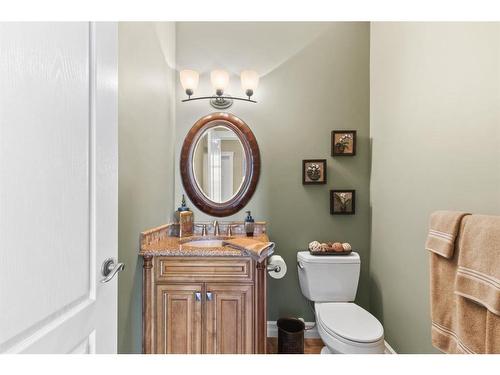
x,y
328,278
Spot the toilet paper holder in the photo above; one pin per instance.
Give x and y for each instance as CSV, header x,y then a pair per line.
x,y
273,268
276,267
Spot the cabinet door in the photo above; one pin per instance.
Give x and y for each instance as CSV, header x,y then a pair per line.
x,y
229,319
178,318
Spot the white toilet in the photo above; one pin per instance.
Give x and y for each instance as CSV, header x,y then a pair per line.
x,y
331,283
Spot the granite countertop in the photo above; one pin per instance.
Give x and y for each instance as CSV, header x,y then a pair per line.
x,y
175,246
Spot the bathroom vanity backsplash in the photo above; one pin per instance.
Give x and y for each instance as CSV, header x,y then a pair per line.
x,y
172,230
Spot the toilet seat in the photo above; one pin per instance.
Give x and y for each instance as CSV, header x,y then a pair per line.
x,y
349,327
349,321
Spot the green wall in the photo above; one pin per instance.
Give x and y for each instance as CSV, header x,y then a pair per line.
x,y
435,115
146,153
315,79
426,94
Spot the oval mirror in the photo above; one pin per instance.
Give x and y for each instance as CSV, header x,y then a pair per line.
x,y
220,164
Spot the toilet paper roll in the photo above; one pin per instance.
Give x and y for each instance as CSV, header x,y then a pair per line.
x,y
276,267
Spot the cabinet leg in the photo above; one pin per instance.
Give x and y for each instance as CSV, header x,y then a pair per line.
x,y
147,308
261,307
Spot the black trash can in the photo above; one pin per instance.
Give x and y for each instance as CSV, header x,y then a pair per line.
x,y
290,336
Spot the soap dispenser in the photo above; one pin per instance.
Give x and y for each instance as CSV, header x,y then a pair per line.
x,y
185,219
249,224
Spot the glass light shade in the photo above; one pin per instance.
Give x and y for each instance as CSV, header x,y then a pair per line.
x,y
249,80
220,79
189,79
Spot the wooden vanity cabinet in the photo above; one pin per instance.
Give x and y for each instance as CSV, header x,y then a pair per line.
x,y
212,305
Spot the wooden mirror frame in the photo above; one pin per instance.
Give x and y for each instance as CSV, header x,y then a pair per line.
x,y
252,169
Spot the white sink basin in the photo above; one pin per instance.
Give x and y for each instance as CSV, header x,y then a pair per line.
x,y
204,243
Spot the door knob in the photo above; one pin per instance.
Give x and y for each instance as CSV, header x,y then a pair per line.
x,y
209,296
197,296
110,268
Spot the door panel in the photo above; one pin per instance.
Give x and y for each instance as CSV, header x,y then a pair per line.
x,y
229,319
58,181
178,319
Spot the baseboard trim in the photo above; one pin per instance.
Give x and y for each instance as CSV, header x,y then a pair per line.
x,y
389,349
312,333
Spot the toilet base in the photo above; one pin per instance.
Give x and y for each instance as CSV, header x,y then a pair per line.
x,y
325,350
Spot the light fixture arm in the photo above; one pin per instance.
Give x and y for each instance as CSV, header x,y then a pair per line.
x,y
220,97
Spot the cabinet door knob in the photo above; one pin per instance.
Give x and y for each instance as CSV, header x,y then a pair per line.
x,y
197,296
209,296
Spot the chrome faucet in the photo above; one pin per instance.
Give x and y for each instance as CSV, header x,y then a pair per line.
x,y
230,227
216,228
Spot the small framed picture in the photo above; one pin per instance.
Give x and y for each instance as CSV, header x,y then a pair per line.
x,y
343,142
314,171
342,202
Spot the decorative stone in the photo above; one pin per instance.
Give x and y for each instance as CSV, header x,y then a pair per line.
x,y
314,246
337,247
347,246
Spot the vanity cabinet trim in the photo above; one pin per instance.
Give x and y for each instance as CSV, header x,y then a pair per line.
x,y
148,305
189,269
260,307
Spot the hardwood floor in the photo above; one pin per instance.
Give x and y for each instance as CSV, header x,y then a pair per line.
x,y
311,346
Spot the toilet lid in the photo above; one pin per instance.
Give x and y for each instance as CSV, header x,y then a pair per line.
x,y
349,321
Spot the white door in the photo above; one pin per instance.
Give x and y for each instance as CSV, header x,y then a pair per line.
x,y
58,187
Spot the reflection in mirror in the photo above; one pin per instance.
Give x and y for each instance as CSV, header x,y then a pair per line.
x,y
219,164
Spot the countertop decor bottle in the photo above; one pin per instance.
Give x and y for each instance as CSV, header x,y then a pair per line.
x,y
185,219
249,224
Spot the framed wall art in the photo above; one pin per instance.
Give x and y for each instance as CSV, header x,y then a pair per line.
x,y
313,171
343,142
342,202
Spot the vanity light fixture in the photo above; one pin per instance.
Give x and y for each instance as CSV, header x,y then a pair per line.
x,y
189,80
220,81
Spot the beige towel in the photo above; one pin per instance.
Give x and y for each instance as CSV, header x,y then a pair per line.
x,y
478,274
443,229
459,325
471,330
258,250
